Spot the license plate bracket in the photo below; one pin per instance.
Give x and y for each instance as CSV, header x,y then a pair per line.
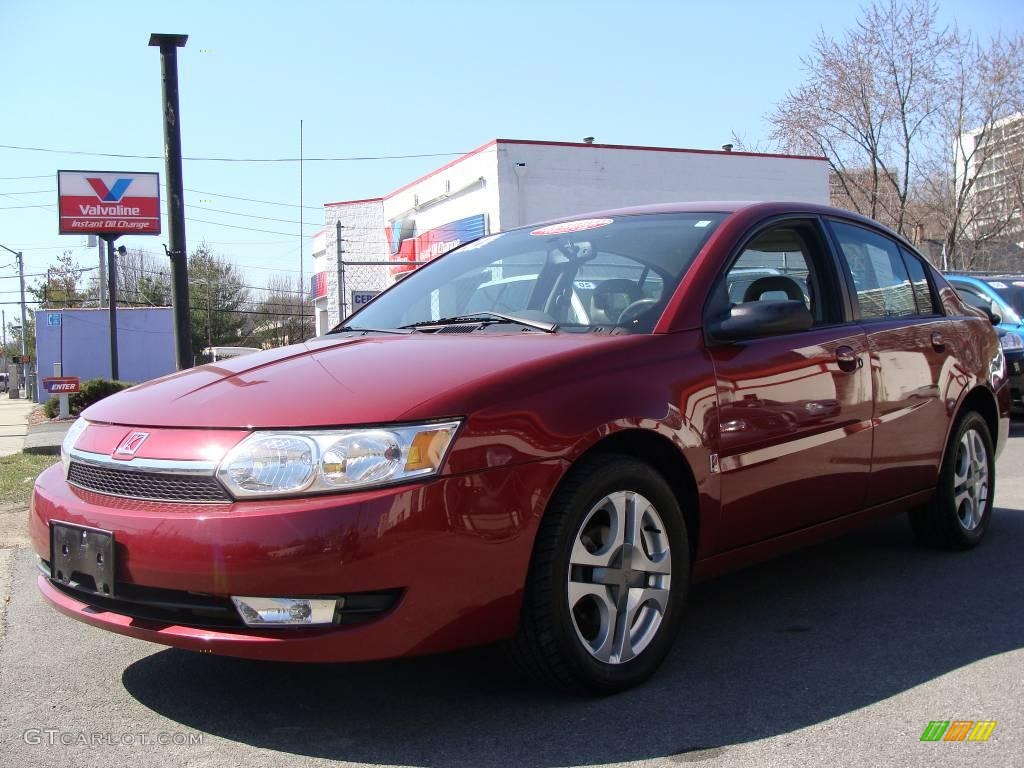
x,y
82,558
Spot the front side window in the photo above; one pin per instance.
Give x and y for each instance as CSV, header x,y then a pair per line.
x,y
610,273
783,263
880,277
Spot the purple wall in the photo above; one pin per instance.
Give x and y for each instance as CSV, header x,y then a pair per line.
x,y
145,344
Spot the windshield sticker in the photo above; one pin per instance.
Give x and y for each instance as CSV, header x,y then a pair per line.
x,y
579,225
997,284
702,223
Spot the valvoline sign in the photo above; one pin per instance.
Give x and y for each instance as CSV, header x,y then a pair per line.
x,y
102,202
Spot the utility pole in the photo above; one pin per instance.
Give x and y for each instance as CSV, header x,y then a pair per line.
x,y
302,245
169,45
209,314
24,328
342,314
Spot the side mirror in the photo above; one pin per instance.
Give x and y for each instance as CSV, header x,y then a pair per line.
x,y
761,318
989,308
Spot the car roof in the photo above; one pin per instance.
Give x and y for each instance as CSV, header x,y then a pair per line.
x,y
973,279
761,207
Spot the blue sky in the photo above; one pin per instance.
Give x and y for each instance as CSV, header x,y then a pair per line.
x,y
374,78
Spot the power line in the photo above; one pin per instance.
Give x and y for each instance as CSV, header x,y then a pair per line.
x,y
14,178
192,307
200,221
4,194
251,216
228,159
70,247
252,200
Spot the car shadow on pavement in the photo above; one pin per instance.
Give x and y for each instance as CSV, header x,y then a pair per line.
x,y
765,651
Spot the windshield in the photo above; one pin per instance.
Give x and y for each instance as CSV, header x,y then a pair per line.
x,y
1012,291
586,274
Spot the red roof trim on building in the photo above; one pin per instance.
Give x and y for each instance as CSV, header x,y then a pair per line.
x,y
445,167
657,149
353,202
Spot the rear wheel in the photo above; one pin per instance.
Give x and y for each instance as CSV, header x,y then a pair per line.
x,y
607,580
959,514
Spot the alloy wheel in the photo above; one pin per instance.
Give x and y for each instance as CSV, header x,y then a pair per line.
x,y
620,573
970,480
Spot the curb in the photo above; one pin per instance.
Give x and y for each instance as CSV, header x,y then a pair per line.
x,y
42,450
45,439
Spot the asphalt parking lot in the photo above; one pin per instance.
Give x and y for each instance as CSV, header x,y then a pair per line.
x,y
837,655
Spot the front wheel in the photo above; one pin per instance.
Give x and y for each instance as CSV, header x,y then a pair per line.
x,y
959,514
607,581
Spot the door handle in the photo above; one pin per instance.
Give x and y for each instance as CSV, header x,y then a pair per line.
x,y
848,360
937,342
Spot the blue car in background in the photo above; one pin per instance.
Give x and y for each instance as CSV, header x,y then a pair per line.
x,y
996,295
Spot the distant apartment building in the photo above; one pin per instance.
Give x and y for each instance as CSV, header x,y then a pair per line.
x,y
994,157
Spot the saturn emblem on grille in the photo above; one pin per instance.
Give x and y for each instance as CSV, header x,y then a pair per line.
x,y
131,444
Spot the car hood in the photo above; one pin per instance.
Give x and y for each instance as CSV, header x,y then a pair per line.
x,y
344,380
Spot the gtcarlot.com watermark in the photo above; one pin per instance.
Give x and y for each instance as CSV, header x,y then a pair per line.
x,y
56,737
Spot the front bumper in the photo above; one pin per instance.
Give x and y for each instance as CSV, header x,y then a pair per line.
x,y
1015,375
455,552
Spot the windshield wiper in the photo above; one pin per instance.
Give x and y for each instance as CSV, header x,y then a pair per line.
x,y
485,317
347,328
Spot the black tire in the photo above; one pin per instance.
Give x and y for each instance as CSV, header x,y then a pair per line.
x,y
941,522
548,646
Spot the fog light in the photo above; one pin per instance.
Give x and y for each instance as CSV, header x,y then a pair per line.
x,y
286,611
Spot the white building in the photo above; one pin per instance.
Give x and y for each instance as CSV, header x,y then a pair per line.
x,y
508,183
994,156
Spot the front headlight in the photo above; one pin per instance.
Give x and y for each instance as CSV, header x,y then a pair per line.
x,y
69,442
1011,342
287,463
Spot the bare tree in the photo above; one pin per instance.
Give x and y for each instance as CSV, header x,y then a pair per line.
x,y
143,279
981,106
908,114
842,111
281,308
62,286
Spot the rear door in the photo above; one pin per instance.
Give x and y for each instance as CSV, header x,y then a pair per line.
x,y
909,340
794,410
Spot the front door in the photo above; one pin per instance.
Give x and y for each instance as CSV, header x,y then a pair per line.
x,y
794,410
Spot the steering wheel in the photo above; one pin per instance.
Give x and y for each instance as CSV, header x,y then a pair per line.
x,y
634,310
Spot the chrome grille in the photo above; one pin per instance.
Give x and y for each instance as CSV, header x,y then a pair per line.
x,y
153,486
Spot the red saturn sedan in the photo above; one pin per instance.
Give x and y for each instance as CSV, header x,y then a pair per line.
x,y
542,437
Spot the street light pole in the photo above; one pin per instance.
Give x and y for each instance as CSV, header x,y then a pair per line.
x,y
169,45
24,317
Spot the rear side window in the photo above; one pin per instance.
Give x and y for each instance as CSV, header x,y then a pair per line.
x,y
883,285
924,298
